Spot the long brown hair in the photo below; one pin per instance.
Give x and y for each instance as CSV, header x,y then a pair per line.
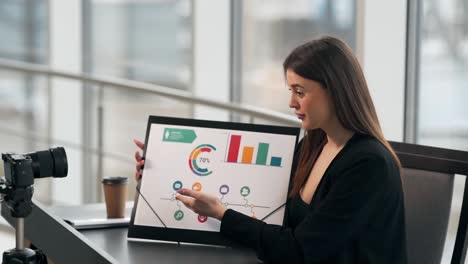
x,y
330,62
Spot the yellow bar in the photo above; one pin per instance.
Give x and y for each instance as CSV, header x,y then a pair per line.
x,y
247,154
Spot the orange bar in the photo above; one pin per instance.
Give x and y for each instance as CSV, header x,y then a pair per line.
x,y
247,154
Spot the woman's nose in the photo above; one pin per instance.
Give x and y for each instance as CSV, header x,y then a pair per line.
x,y
293,103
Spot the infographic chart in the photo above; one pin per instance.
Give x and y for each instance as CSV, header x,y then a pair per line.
x,y
247,171
248,153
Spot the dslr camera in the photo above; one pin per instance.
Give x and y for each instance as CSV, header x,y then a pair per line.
x,y
20,172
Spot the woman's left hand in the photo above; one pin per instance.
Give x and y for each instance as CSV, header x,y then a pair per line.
x,y
201,203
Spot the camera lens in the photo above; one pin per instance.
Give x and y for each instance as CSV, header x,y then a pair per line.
x,y
51,162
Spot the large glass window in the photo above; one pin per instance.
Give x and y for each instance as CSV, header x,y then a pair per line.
x,y
24,33
271,29
23,97
23,27
143,40
23,111
148,41
441,90
443,82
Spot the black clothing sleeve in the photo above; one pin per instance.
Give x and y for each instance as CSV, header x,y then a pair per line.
x,y
355,198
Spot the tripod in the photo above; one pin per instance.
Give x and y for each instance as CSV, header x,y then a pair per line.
x,y
20,254
19,201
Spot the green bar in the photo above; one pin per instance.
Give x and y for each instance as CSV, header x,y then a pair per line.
x,y
262,153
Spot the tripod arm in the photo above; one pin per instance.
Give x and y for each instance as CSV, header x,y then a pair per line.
x,y
19,233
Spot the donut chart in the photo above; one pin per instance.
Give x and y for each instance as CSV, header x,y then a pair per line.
x,y
199,165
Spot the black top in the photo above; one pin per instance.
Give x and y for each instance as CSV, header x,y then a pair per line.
x,y
356,214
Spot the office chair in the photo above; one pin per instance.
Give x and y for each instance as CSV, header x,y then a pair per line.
x,y
428,177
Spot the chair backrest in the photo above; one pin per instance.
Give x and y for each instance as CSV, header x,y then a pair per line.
x,y
428,198
428,181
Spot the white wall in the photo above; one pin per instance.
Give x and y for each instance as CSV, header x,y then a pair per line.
x,y
211,58
65,54
382,49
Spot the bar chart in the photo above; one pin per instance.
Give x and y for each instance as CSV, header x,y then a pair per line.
x,y
246,155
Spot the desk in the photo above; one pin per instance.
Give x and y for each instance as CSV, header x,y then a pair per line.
x,y
63,244
114,241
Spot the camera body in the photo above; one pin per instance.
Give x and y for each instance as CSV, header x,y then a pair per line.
x,y
18,169
19,178
20,172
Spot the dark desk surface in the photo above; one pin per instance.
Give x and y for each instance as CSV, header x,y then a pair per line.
x,y
114,241
64,244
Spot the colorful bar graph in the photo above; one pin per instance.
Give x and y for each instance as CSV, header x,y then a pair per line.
x,y
247,154
234,149
262,153
275,161
234,146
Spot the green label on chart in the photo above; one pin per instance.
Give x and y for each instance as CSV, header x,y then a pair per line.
x,y
179,135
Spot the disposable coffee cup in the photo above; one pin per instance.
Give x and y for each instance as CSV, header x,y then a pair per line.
x,y
115,194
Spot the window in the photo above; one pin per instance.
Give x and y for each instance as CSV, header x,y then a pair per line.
x,y
443,75
143,40
271,29
23,97
437,89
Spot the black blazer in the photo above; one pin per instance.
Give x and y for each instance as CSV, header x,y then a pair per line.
x,y
356,214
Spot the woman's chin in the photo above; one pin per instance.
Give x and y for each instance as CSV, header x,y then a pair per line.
x,y
308,126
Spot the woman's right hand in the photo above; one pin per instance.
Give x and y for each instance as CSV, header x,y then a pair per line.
x,y
139,159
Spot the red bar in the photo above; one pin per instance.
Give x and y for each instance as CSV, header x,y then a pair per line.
x,y
234,146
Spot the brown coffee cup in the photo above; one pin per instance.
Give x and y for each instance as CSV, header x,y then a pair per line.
x,y
115,194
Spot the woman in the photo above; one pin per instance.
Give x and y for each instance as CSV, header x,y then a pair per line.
x,y
346,200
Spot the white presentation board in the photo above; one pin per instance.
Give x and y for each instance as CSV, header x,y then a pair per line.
x,y
248,167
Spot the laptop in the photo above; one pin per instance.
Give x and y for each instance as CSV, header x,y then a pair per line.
x,y
90,216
